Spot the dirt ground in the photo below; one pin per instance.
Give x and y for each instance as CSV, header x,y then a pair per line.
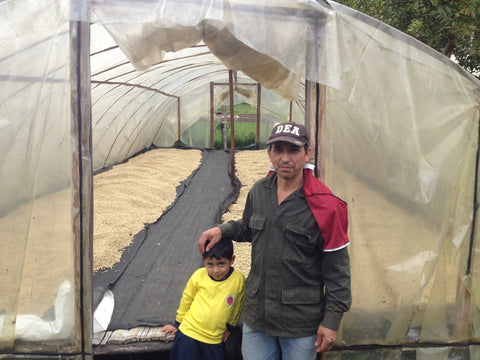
x,y
138,191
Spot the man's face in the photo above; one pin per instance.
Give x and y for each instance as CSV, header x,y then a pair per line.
x,y
288,159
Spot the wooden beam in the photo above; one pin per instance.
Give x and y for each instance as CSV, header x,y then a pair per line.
x,y
259,104
82,179
315,102
232,129
179,121
212,115
243,84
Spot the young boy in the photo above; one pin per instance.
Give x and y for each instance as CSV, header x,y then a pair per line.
x,y
211,302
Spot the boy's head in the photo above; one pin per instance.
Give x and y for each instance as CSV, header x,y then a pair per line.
x,y
219,259
222,249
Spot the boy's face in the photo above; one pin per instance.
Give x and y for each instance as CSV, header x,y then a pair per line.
x,y
218,268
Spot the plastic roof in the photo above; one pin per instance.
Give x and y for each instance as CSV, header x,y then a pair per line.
x,y
399,142
117,89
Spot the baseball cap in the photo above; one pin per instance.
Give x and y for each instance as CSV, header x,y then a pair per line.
x,y
290,132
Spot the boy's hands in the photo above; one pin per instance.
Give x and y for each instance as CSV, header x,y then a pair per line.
x,y
209,237
226,334
169,329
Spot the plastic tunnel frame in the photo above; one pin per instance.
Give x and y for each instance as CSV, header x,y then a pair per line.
x,y
395,128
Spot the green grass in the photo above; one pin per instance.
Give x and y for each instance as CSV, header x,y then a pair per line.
x,y
242,108
245,133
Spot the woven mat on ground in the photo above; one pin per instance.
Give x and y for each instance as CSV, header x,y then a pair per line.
x,y
149,279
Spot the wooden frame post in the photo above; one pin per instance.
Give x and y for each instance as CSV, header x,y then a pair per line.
x,y
259,104
212,116
82,178
179,121
315,103
232,129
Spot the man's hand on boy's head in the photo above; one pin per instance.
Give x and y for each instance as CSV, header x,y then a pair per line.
x,y
209,238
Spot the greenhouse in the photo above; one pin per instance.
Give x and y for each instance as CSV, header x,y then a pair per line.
x,y
88,85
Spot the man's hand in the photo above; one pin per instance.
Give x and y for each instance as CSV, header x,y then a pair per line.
x,y
212,236
169,329
325,339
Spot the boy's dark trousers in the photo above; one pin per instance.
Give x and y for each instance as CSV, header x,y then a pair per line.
x,y
186,348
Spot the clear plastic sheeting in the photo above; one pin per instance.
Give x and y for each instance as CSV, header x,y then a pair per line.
x,y
409,177
39,294
454,352
278,57
134,109
398,140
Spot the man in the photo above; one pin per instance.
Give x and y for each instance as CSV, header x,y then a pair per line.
x,y
299,283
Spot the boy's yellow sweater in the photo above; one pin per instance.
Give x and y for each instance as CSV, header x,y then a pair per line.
x,y
208,305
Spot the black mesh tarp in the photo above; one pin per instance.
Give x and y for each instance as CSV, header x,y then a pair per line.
x,y
149,279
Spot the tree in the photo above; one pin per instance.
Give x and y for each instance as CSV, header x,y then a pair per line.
x,y
449,26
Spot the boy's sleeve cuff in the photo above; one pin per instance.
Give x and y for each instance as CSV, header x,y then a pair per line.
x,y
176,324
231,328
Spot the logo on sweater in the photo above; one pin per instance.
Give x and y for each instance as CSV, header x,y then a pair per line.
x,y
230,300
